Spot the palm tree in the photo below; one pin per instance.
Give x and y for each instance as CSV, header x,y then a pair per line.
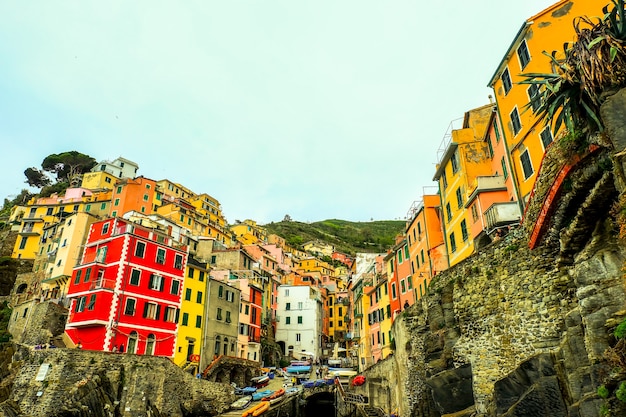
x,y
588,70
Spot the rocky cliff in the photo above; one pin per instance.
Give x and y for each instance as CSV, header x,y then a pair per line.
x,y
515,331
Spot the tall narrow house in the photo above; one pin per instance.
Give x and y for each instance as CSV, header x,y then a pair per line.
x,y
125,292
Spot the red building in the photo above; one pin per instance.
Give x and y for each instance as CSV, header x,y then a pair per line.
x,y
126,291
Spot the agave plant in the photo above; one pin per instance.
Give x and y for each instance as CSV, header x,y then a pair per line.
x,y
588,69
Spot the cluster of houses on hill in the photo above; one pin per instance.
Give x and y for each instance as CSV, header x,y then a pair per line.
x,y
152,268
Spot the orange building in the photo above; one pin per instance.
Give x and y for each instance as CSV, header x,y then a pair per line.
x,y
427,249
546,31
136,194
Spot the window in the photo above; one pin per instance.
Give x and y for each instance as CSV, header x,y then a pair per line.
x,y
198,321
140,249
496,130
88,208
92,302
300,305
506,81
288,306
105,228
516,124
151,311
175,287
490,146
87,275
23,242
455,162
77,278
452,243
178,262
219,313
160,258
49,211
119,190
185,319
80,304
459,198
298,337
448,211
129,309
393,291
116,202
156,282
188,294
199,297
247,310
402,286
299,319
220,292
228,317
526,164
444,180
523,55
422,255
145,197
287,320
474,212
464,234
170,315
546,137
399,256
409,283
533,96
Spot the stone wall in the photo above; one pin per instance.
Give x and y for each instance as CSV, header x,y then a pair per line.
x,y
513,331
83,383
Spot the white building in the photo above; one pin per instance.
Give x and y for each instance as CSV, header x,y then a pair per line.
x,y
120,167
299,321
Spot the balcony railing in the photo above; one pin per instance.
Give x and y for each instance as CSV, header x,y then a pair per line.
x,y
500,214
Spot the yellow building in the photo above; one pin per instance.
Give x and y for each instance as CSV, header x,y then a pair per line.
x,y
465,156
337,305
248,232
311,264
40,213
546,31
61,249
98,180
192,311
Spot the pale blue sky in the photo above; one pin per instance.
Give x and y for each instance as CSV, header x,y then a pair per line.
x,y
324,109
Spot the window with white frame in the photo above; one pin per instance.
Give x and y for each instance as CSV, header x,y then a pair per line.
x,y
527,165
516,123
523,54
506,81
546,137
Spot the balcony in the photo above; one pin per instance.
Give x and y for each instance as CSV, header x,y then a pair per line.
x,y
485,184
501,214
102,284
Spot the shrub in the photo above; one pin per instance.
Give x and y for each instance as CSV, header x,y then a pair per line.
x,y
620,330
621,392
603,392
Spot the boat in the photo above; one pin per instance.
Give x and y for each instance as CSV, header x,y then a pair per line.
x,y
298,369
275,394
245,391
242,403
261,394
260,381
290,392
263,407
250,411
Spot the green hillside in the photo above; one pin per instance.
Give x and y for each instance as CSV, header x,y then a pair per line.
x,y
347,237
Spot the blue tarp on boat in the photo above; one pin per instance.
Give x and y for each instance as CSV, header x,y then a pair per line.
x,y
298,369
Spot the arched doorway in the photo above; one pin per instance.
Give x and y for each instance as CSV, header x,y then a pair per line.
x,y
225,346
132,342
320,404
218,344
150,343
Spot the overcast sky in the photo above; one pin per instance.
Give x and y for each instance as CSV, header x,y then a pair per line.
x,y
316,109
